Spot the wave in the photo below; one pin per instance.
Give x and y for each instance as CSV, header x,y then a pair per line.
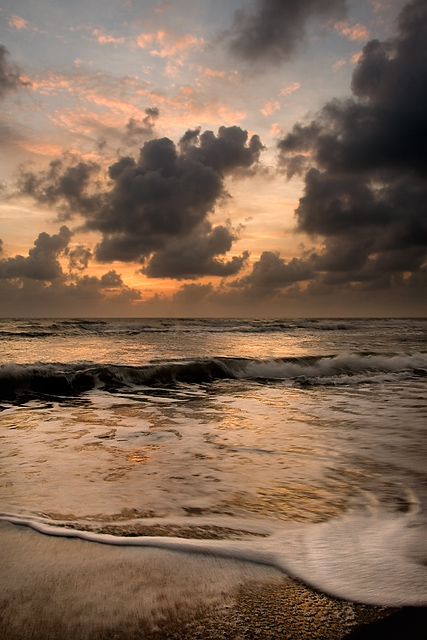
x,y
22,381
108,327
378,559
74,327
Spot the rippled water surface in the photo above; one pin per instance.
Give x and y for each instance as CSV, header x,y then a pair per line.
x,y
248,426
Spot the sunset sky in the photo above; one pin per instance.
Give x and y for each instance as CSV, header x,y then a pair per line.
x,y
213,158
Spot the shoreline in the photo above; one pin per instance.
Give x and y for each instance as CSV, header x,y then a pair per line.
x,y
63,589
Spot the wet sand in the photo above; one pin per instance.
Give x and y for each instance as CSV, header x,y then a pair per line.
x,y
70,589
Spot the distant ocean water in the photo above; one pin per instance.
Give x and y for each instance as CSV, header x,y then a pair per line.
x,y
297,443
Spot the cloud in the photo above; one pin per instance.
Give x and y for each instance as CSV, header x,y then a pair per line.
x,y
137,129
271,272
355,32
196,256
69,187
20,24
274,31
169,45
338,64
103,103
99,89
106,295
42,260
227,152
154,209
10,78
78,258
191,294
270,107
364,164
37,284
106,38
287,91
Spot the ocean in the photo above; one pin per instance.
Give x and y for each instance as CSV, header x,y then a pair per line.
x,y
300,444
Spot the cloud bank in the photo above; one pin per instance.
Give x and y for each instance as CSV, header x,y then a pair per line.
x,y
364,166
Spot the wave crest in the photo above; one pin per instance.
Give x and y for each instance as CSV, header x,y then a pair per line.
x,y
19,381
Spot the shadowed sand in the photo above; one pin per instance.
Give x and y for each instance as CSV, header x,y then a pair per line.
x,y
63,589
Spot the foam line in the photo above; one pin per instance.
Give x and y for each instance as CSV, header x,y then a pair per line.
x,y
220,548
380,559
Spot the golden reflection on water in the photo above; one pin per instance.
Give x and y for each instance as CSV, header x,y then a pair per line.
x,y
274,451
296,502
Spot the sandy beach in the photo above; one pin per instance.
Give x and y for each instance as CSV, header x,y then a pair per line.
x,y
60,588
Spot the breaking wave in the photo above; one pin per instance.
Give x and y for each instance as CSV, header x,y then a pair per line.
x,y
18,381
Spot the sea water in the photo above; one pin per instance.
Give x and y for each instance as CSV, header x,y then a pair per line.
x,y
296,443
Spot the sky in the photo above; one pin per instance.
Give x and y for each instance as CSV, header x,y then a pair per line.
x,y
213,158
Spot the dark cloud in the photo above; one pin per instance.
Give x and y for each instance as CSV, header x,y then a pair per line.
x,y
155,209
140,129
42,260
10,78
191,294
275,29
226,152
85,296
71,188
110,284
197,256
161,197
271,272
78,258
365,162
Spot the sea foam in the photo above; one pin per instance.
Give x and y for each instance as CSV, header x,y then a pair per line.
x,y
377,558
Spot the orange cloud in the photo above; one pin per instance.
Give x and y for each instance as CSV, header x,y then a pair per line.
x,y
211,73
169,44
97,87
20,24
356,57
290,89
188,108
104,38
145,39
41,148
338,64
96,112
354,32
270,107
91,123
276,129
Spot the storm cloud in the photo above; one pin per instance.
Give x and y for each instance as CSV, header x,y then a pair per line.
x,y
271,272
42,261
60,298
139,129
275,29
69,186
154,209
364,164
197,256
10,74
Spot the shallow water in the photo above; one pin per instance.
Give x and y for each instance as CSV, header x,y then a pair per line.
x,y
309,434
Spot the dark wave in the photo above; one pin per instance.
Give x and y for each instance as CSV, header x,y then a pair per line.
x,y
25,334
19,382
108,327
